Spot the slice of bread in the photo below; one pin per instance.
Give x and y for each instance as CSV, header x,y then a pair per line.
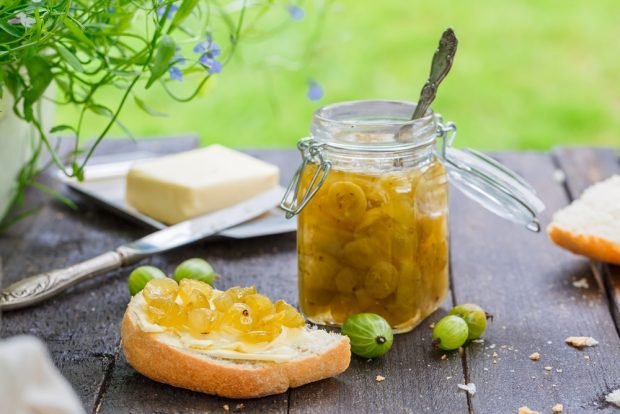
x,y
590,226
326,355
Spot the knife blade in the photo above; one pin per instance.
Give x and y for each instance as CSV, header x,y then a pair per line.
x,y
37,288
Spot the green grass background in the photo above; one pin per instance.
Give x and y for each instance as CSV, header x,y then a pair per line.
x,y
528,74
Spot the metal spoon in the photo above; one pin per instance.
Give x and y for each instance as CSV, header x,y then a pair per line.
x,y
442,62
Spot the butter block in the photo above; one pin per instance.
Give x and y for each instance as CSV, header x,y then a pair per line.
x,y
178,187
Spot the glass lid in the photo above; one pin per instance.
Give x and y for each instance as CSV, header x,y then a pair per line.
x,y
490,183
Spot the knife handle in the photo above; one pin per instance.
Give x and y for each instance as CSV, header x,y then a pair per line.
x,y
37,288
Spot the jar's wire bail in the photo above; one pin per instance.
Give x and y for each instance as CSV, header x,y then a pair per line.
x,y
311,153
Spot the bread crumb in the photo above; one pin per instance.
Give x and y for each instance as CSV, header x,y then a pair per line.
x,y
526,410
495,355
444,356
492,346
431,325
558,408
478,341
586,357
581,341
380,378
548,368
226,407
614,397
581,283
535,356
470,388
559,370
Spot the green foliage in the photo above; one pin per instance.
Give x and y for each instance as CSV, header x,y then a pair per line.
x,y
85,47
165,52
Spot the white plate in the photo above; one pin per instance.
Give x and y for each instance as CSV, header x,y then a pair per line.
x,y
104,184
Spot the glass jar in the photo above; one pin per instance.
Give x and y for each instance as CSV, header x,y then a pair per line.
x,y
371,197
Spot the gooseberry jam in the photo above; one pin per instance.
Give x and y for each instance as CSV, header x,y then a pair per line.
x,y
239,313
374,242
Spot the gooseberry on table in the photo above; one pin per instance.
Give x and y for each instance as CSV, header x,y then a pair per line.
x,y
140,276
196,268
474,316
450,332
371,336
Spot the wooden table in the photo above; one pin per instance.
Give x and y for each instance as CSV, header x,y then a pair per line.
x,y
521,277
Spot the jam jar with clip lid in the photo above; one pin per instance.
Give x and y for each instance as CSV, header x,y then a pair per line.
x,y
371,200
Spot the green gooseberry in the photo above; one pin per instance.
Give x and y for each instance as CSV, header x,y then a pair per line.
x,y
196,268
140,276
474,316
450,332
371,336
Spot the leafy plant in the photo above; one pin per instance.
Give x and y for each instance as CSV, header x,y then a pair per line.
x,y
85,46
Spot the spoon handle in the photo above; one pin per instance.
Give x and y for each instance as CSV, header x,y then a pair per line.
x,y
442,62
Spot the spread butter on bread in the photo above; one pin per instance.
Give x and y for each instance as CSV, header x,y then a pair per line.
x,y
226,367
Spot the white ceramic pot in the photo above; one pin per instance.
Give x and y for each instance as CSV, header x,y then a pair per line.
x,y
17,140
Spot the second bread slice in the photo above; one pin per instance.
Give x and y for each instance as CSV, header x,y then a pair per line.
x,y
590,226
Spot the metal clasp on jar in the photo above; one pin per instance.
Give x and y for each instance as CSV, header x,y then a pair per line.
x,y
447,131
311,153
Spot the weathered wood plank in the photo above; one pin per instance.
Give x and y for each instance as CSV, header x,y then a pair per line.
x,y
80,327
417,380
86,373
526,282
583,167
523,279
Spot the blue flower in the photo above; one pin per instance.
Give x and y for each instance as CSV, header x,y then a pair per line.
x,y
208,47
213,66
315,92
175,73
209,51
161,10
296,12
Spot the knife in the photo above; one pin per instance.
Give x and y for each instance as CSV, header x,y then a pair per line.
x,y
37,288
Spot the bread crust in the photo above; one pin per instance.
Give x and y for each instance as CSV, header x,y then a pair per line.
x,y
161,362
588,245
